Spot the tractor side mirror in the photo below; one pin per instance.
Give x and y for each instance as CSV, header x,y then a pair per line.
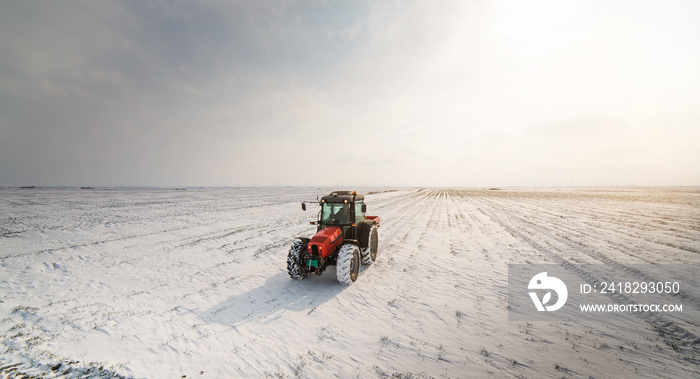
x,y
364,208
303,206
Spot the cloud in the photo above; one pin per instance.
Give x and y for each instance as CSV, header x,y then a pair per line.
x,y
234,93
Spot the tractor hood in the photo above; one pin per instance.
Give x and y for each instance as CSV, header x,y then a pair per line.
x,y
327,235
325,241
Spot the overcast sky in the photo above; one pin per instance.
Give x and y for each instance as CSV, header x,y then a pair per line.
x,y
468,93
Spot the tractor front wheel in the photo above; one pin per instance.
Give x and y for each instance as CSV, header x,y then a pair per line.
x,y
296,268
348,266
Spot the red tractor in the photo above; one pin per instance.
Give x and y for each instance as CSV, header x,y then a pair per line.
x,y
345,238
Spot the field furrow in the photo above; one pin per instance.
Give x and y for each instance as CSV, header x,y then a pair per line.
x,y
159,283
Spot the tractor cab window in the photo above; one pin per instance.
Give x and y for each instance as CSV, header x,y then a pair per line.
x,y
359,217
336,214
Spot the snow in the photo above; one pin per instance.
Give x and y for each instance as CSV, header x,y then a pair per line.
x,y
158,283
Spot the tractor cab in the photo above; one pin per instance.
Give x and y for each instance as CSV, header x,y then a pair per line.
x,y
343,209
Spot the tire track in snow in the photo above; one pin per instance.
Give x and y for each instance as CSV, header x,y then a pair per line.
x,y
544,228
172,207
411,233
442,317
148,292
609,219
689,342
400,214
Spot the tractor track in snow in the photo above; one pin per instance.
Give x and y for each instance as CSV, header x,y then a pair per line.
x,y
84,215
405,217
608,220
397,255
208,292
689,341
189,240
214,280
254,232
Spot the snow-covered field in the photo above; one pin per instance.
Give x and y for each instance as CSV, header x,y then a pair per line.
x,y
159,283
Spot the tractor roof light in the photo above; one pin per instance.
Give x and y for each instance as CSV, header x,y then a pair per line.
x,y
345,201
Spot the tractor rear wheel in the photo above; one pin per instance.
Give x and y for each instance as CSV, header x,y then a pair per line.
x,y
295,266
369,253
348,266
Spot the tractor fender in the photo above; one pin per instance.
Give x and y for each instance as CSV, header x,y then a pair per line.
x,y
354,242
364,233
303,239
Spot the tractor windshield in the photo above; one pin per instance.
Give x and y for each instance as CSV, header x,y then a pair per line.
x,y
336,214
